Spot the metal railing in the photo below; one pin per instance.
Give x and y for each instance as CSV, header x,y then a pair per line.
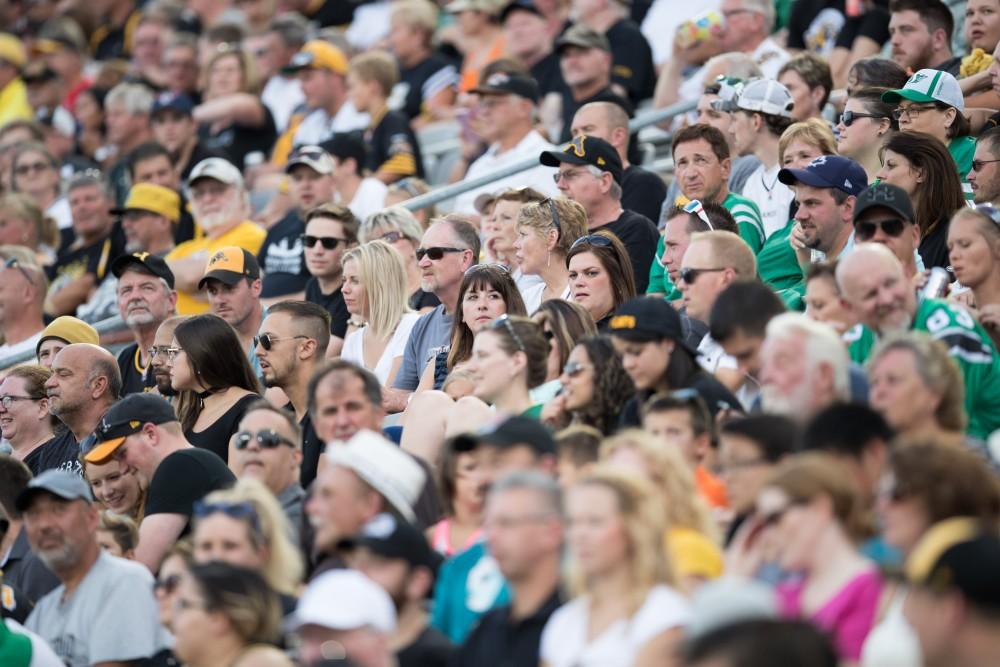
x,y
110,325
455,189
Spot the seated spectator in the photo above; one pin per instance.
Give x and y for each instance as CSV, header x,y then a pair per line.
x,y
232,285
26,225
148,218
875,73
35,174
427,80
563,324
25,421
543,229
280,37
973,254
126,119
22,297
577,447
794,643
678,225
633,74
176,130
152,163
117,488
331,230
118,535
983,178
865,125
882,214
479,38
600,275
595,386
61,332
807,77
462,495
500,245
822,298
399,228
158,356
920,33
362,193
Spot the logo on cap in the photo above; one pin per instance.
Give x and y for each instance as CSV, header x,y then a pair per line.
x,y
623,322
577,146
141,256
821,160
917,78
497,79
380,527
217,257
134,423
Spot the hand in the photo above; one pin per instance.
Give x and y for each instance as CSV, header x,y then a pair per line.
x,y
968,300
989,316
554,412
798,237
919,280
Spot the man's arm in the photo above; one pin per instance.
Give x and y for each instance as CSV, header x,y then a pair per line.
x,y
188,271
156,535
66,300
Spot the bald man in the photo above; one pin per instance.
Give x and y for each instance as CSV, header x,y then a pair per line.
x,y
85,382
874,287
642,190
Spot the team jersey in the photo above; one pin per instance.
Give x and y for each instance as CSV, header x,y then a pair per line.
x,y
392,146
778,268
962,149
968,344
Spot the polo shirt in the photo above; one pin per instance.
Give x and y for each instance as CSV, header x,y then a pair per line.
x,y
503,641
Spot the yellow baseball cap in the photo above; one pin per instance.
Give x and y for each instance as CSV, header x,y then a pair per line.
x,y
68,328
12,50
230,265
318,54
154,199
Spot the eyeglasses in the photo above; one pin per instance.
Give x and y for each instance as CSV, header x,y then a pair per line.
x,y
7,401
435,253
574,368
690,275
172,352
848,117
328,242
504,322
37,167
167,585
555,214
695,207
391,237
14,263
244,511
598,240
162,351
268,439
568,175
267,341
912,111
866,230
978,164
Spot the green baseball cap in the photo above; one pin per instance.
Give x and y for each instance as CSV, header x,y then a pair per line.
x,y
929,85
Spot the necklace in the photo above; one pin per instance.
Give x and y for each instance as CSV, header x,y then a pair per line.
x,y
769,190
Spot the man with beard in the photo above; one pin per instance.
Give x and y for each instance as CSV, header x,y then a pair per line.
x,y
874,288
99,593
221,206
232,283
158,356
920,35
146,297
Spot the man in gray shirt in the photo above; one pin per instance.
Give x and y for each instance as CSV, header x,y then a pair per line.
x,y
104,611
447,250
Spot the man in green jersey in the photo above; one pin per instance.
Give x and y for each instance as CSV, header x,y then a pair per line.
x,y
874,287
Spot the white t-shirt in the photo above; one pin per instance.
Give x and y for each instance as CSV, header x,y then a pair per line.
x,y
772,197
17,348
532,296
354,347
539,178
317,127
370,198
282,95
41,654
60,212
564,639
770,57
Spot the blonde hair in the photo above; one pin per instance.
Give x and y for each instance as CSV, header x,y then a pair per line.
x,y
572,221
419,14
247,66
377,66
644,525
730,251
24,207
122,529
383,276
813,131
671,476
283,569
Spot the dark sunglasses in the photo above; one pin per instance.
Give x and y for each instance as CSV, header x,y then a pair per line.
x,y
267,341
977,165
167,585
267,439
690,275
243,511
891,226
329,242
598,240
848,117
435,253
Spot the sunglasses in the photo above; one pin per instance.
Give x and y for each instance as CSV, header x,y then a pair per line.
x,y
848,117
329,242
242,511
167,585
37,167
977,165
690,275
435,253
555,214
503,322
598,240
14,263
267,439
866,230
574,368
267,341
694,207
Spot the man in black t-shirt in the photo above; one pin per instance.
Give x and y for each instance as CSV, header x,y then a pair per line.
x,y
331,230
142,430
632,68
528,40
427,80
590,172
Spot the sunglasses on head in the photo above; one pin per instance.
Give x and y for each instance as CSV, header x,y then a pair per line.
x,y
328,242
848,117
598,240
242,511
694,207
486,266
267,439
503,322
435,253
867,229
990,212
14,263
267,341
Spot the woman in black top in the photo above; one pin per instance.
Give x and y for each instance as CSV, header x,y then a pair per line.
x,y
214,379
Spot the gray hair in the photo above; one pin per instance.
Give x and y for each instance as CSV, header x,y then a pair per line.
x,y
136,98
735,65
396,218
89,178
616,189
292,29
823,346
532,480
764,7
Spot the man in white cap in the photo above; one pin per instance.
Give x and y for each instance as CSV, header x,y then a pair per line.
x,y
344,615
221,207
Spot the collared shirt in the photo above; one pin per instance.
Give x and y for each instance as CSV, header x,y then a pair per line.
x,y
507,642
540,177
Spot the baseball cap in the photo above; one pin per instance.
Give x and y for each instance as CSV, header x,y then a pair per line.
x,y
512,432
344,600
648,318
216,168
37,72
502,83
483,201
346,145
313,157
151,264
12,50
389,537
765,96
60,33
318,54
61,483
586,150
884,195
829,171
929,85
960,555
393,473
230,265
178,102
69,330
152,198
584,37
126,418
492,7
520,5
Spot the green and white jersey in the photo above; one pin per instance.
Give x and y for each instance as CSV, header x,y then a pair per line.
x,y
748,219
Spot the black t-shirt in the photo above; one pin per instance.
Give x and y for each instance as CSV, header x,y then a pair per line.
x,y
334,304
215,438
716,396
60,453
393,147
500,640
135,379
112,43
820,25
429,649
183,478
422,81
76,261
237,141
571,106
336,12
643,192
639,235
632,60
951,66
421,299
312,449
281,258
548,75
933,248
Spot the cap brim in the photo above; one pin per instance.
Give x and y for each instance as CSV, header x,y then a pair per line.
x,y
103,451
802,176
555,158
228,277
903,94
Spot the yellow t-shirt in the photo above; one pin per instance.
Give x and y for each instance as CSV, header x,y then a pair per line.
x,y
246,235
14,103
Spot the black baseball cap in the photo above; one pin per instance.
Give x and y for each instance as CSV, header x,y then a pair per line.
x,y
648,318
511,432
959,555
60,483
392,537
150,264
344,145
885,195
502,83
126,418
520,5
586,150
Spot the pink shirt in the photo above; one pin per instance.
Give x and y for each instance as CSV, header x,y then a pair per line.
x,y
848,616
442,539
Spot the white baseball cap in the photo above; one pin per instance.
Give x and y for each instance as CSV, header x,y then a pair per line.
x,y
345,600
216,168
929,85
765,96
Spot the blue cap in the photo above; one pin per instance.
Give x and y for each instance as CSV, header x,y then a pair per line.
x,y
829,171
175,102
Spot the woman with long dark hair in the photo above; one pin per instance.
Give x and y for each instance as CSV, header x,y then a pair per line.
x,y
208,367
563,324
600,275
595,386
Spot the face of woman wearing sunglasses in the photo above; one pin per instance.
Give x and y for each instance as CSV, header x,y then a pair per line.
x,y
973,257
578,379
171,571
590,285
221,537
481,306
858,133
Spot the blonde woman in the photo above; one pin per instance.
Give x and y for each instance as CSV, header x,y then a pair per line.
x,y
375,293
691,538
23,223
545,233
626,610
245,526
